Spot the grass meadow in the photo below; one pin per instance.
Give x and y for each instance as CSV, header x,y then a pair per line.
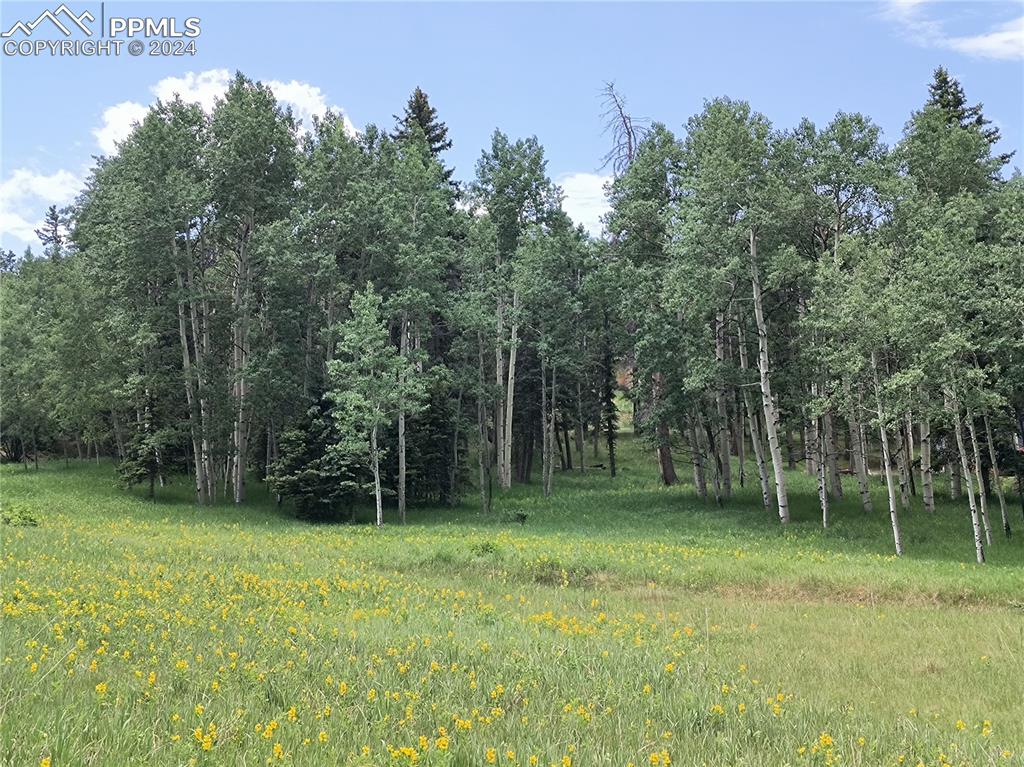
x,y
622,624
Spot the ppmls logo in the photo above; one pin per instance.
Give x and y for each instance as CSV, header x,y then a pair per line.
x,y
62,32
62,18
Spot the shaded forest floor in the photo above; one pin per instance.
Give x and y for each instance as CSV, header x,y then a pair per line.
x,y
622,623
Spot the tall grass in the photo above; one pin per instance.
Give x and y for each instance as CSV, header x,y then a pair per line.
x,y
621,622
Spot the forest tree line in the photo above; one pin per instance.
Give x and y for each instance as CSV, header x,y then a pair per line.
x,y
234,298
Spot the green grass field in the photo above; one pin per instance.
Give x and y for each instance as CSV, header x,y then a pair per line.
x,y
623,623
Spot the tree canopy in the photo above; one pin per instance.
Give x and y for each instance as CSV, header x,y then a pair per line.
x,y
236,300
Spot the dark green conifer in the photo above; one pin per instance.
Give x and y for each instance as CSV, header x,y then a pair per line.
x,y
419,113
946,93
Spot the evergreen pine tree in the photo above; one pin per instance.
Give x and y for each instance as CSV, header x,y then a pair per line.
x,y
317,470
419,112
946,93
51,234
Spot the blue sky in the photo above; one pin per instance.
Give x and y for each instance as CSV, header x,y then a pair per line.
x,y
527,68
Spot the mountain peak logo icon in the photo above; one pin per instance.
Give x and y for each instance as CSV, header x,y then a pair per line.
x,y
54,16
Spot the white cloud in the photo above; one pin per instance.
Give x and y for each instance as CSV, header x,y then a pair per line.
x,y
25,194
204,88
909,15
1004,41
118,122
585,200
307,101
906,11
16,226
22,184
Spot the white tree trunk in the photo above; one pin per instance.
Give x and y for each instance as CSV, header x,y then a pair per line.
x,y
580,436
190,397
206,408
835,481
810,455
755,429
240,338
983,501
771,413
723,447
901,465
887,461
699,479
955,474
909,427
707,448
858,458
510,390
822,477
996,478
927,479
200,352
375,458
545,428
553,438
739,438
403,352
500,383
864,436
979,547
484,455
